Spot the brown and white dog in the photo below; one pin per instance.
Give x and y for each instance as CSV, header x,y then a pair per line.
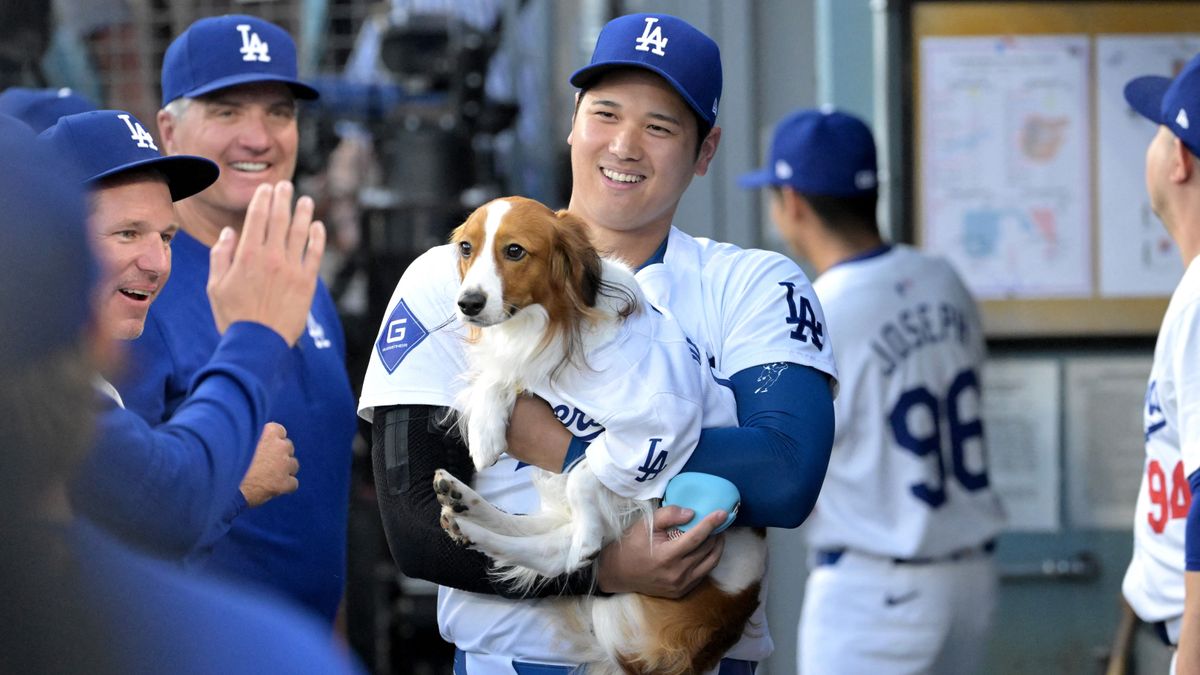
x,y
539,300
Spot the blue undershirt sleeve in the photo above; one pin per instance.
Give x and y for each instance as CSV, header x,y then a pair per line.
x,y
778,455
1191,538
575,452
166,488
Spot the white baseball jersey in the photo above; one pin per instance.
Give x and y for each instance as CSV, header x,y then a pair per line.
x,y
908,474
1154,581
741,309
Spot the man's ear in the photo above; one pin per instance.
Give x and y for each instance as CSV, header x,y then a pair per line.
x,y
166,131
1183,162
708,149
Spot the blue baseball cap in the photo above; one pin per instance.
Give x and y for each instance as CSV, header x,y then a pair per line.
x,y
669,46
41,108
225,51
1171,102
43,246
105,143
819,152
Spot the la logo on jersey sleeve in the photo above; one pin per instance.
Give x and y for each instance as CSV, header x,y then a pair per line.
x,y
401,333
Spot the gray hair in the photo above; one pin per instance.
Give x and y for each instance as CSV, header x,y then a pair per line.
x,y
179,106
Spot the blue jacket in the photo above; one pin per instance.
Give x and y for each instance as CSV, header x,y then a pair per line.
x,y
168,489
295,543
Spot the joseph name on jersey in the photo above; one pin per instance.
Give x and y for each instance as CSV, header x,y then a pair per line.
x,y
740,309
908,475
1153,583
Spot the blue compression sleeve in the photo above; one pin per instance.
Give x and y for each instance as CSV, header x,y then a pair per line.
x,y
1191,538
778,455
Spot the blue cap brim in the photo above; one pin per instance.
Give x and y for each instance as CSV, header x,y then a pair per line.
x,y
1145,95
588,74
756,179
298,88
186,174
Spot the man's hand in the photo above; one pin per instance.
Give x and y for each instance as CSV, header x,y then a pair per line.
x,y
653,564
273,470
268,273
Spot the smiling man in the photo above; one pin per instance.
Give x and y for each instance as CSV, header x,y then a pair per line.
x,y
173,488
229,94
644,127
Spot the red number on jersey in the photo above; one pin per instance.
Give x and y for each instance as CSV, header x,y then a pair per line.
x,y
1173,500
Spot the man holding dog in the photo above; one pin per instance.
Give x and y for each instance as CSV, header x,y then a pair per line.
x,y
229,94
644,126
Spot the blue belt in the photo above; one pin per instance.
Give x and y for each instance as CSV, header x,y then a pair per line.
x,y
831,556
728,666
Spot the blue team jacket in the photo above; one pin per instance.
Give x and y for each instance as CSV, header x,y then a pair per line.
x,y
295,543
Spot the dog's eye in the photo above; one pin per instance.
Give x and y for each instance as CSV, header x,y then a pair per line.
x,y
514,252
464,247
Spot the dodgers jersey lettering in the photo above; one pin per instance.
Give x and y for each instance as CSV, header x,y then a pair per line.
x,y
728,300
1153,583
908,474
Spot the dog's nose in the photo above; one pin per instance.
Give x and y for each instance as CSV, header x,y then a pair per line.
x,y
471,302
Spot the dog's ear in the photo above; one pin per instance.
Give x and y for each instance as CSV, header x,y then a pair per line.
x,y
575,259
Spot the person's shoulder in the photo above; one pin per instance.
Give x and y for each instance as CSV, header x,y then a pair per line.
x,y
726,252
433,267
722,259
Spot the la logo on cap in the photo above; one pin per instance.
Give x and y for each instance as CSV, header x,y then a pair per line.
x,y
1182,119
652,37
138,133
253,47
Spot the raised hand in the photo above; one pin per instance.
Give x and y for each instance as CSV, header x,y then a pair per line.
x,y
268,273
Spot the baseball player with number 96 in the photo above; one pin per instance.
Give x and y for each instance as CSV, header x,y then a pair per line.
x,y
902,531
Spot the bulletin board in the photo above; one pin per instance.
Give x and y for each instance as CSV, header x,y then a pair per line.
x,y
1024,166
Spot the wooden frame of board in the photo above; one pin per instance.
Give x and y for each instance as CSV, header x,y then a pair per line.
x,y
911,20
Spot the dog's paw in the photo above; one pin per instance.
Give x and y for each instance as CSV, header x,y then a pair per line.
x,y
450,524
453,496
450,491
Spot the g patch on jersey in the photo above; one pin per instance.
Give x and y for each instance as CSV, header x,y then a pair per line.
x,y
401,332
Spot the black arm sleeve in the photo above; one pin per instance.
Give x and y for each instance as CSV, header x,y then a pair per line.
x,y
409,443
